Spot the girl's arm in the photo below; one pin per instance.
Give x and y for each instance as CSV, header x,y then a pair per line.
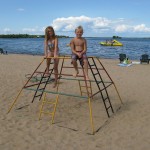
x,y
45,48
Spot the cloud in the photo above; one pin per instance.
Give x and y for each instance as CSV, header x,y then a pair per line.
x,y
93,26
34,30
97,25
29,30
70,23
141,28
6,30
122,28
20,9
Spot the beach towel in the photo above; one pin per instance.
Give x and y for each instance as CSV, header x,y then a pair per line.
x,y
125,65
136,62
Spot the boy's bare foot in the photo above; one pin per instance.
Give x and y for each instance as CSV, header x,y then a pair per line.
x,y
46,75
75,74
87,78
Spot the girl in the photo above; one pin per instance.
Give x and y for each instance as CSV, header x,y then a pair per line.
x,y
51,50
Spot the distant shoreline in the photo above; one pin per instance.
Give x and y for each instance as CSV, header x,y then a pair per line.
x,y
59,36
27,36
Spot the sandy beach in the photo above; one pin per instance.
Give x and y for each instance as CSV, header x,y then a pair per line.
x,y
127,129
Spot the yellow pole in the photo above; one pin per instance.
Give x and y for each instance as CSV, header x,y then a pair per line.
x,y
80,87
23,88
41,109
14,101
54,109
60,57
91,118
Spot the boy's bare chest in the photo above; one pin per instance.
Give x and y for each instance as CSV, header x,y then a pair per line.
x,y
79,42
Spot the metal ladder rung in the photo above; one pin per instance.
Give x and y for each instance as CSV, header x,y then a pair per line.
x,y
44,77
85,86
105,98
92,65
85,92
54,103
49,113
98,82
37,95
108,107
95,74
41,89
106,87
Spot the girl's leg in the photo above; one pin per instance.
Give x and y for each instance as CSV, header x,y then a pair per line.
x,y
56,61
48,61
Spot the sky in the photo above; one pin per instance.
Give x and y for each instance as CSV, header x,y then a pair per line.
x,y
99,18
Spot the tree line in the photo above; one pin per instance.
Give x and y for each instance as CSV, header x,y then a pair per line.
x,y
27,36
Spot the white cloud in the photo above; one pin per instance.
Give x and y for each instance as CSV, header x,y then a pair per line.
x,y
141,28
29,30
6,30
70,23
122,28
97,25
20,9
34,30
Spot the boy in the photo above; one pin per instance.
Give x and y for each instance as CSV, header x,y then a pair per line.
x,y
79,48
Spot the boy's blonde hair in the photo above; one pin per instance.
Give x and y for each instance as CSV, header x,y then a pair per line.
x,y
79,27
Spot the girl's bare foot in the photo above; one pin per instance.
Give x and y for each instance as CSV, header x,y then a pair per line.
x,y
55,84
46,74
76,73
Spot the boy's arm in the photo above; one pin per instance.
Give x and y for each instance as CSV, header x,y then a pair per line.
x,y
84,47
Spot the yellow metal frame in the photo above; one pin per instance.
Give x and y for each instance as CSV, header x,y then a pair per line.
x,y
46,102
91,117
89,87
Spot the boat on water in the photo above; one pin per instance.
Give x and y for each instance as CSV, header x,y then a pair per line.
x,y
111,43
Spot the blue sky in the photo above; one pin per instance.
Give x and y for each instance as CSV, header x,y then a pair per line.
x,y
128,18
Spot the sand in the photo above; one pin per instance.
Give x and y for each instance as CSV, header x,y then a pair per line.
x,y
127,129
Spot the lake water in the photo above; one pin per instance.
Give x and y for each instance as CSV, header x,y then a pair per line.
x,y
132,47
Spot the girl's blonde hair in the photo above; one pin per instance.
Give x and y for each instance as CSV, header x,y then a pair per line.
x,y
79,27
47,37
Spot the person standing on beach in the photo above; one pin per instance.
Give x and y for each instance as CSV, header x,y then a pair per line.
x,y
79,47
51,50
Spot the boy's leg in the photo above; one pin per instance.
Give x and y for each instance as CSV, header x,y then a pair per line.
x,y
75,65
85,66
86,69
